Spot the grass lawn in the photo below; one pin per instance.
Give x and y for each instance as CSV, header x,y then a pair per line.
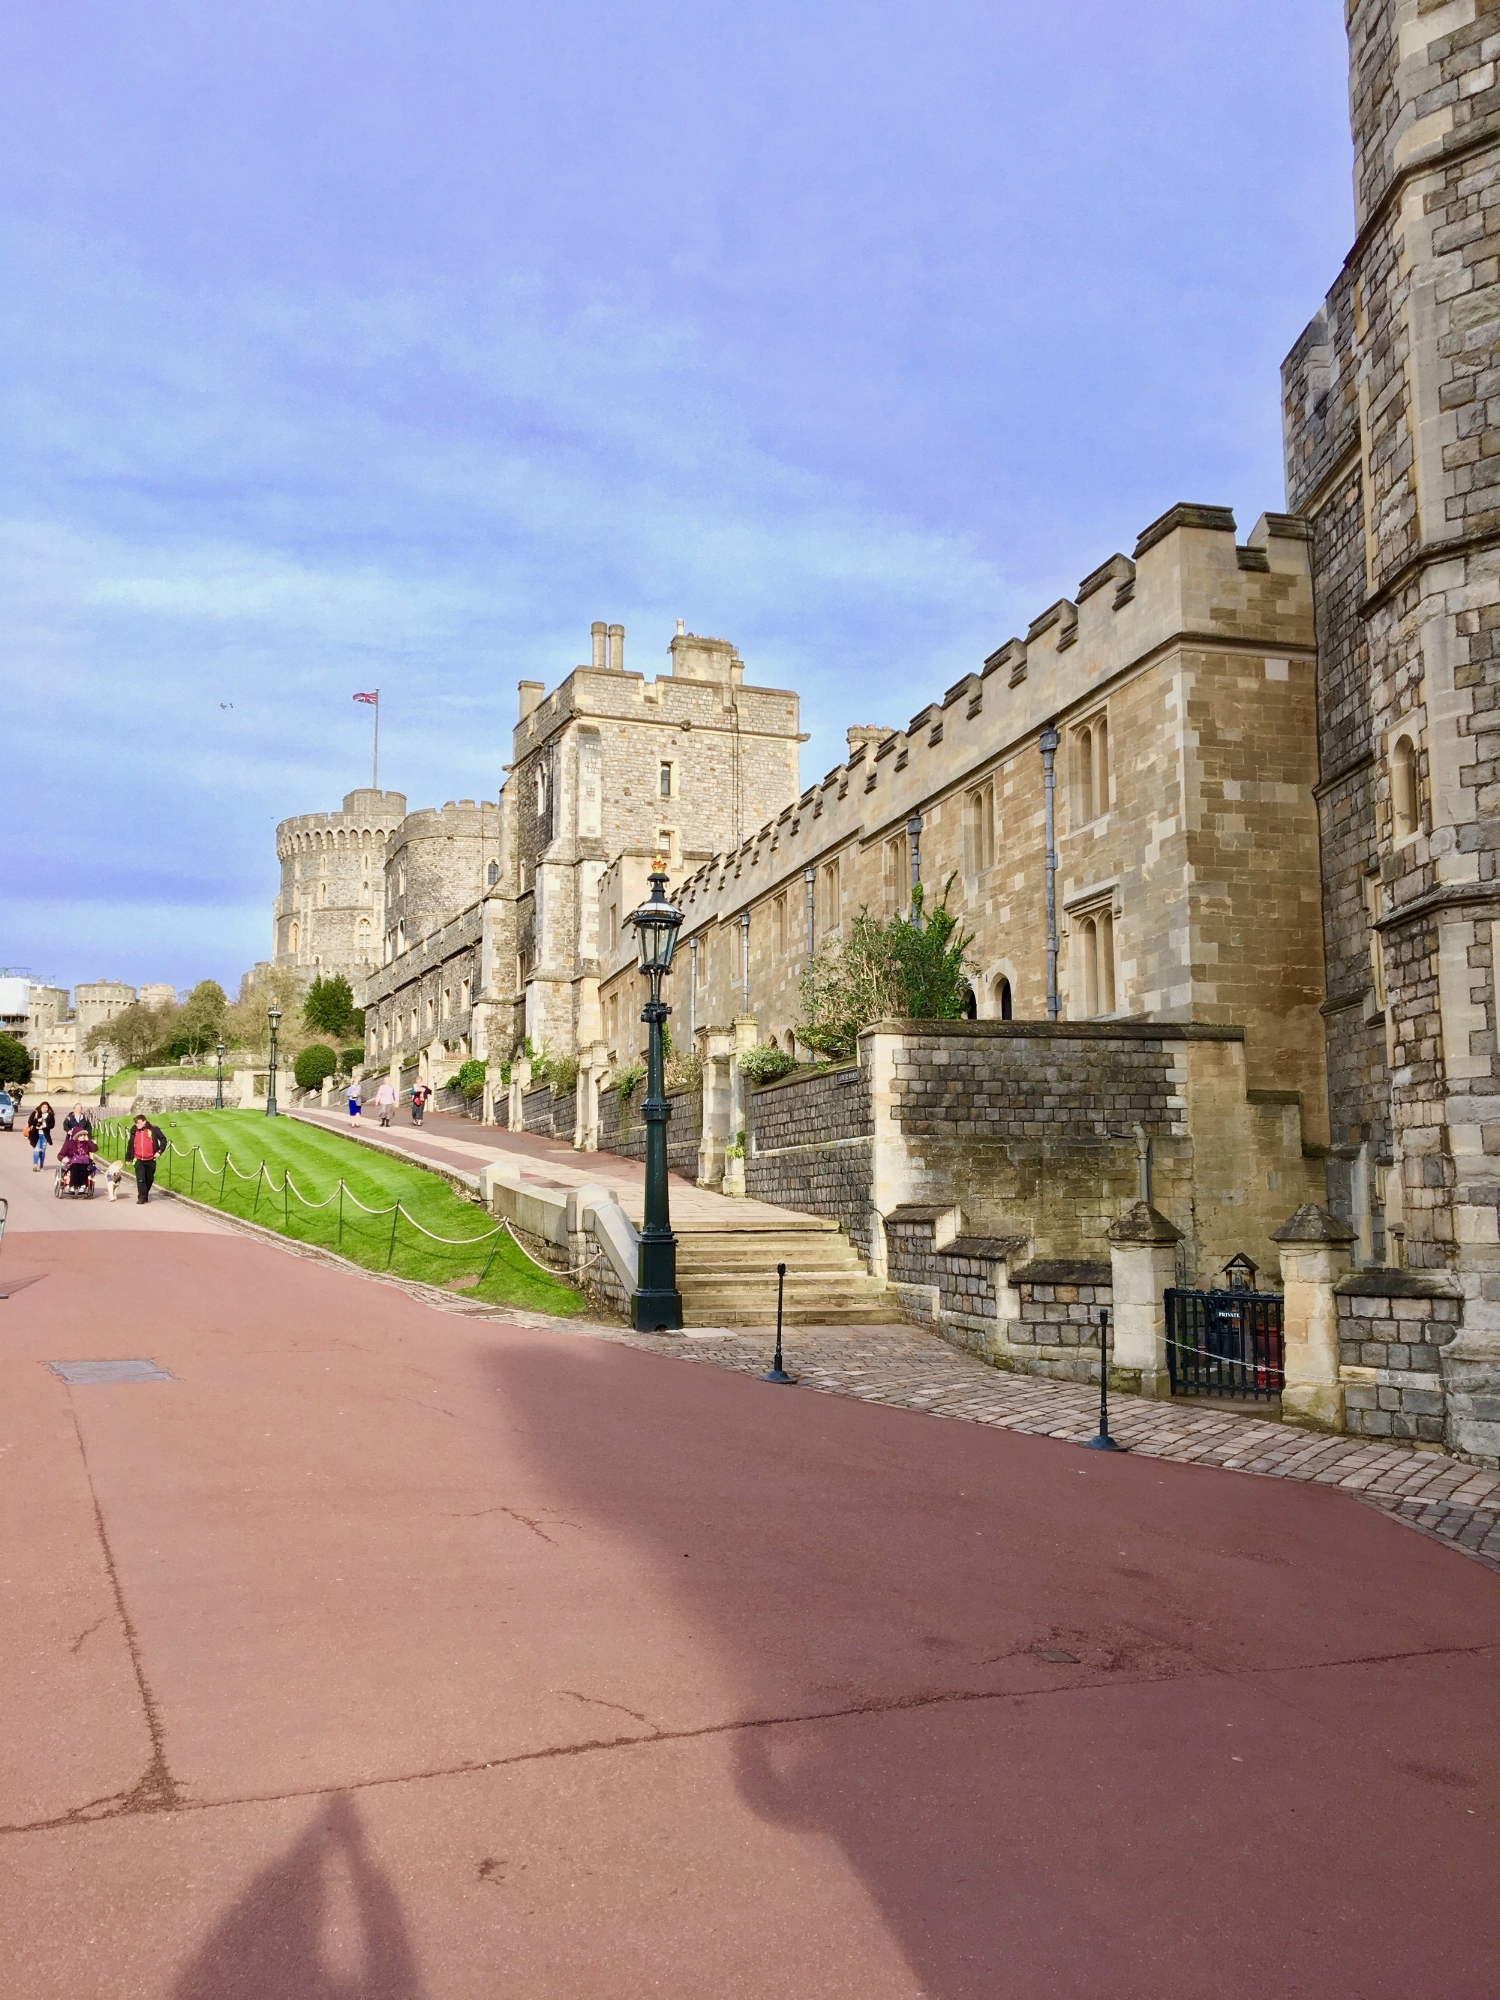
x,y
317,1162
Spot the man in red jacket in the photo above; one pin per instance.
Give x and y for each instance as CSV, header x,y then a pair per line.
x,y
143,1148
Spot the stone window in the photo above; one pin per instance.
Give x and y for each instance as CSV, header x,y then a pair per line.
x,y
979,830
492,874
666,845
1092,962
614,926
1377,952
542,791
778,925
1003,1001
1090,783
295,938
895,875
833,899
666,779
1405,808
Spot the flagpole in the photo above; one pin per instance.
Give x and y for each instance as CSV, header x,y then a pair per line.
x,y
377,740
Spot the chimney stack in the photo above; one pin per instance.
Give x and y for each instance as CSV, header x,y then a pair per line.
x,y
617,648
597,631
531,693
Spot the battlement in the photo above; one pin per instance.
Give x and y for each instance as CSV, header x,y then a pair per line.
x,y
363,812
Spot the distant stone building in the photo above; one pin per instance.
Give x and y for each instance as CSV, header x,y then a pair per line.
x,y
56,1033
329,916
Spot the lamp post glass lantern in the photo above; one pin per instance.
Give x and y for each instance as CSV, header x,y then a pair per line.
x,y
219,1082
273,1015
656,1306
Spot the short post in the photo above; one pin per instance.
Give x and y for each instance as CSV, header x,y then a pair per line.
x,y
391,1246
192,1172
286,1200
340,1238
1143,1267
255,1205
776,1373
1314,1249
1103,1441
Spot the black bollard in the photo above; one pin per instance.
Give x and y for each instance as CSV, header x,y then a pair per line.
x,y
776,1373
1103,1442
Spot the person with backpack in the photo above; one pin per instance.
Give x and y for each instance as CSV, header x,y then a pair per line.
x,y
419,1096
145,1144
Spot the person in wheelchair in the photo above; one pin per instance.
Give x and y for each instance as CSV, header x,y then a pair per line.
x,y
75,1159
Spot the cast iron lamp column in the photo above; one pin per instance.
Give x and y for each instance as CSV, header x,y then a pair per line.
x,y
219,1086
273,1015
656,1306
103,1078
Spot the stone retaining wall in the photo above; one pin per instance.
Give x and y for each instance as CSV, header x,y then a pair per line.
x,y
810,1146
1392,1329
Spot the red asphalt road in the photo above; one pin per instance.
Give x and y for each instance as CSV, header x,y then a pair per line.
x,y
385,1654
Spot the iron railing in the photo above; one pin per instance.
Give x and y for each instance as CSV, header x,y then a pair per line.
x,y
1225,1344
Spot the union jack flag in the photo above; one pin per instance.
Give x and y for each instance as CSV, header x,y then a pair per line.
x,y
369,697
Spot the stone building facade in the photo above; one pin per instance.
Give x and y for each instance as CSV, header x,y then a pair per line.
x,y
57,1030
329,915
495,922
1392,419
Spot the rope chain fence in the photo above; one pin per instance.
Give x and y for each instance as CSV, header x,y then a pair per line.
x,y
112,1133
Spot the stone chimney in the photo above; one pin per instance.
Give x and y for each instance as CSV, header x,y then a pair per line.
x,y
866,735
698,659
617,648
597,633
531,693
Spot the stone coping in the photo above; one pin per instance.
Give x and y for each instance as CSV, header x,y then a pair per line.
x,y
992,1248
1063,1271
1087,1031
808,1073
1387,1284
919,1211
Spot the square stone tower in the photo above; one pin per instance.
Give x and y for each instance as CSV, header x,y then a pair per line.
x,y
1391,404
611,764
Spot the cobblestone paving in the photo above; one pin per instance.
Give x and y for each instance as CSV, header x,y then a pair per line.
x,y
911,1370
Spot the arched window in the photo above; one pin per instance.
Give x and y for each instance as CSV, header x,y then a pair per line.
x,y
492,873
1085,776
1101,767
1094,964
1105,930
1404,818
1002,994
295,937
971,1006
1089,940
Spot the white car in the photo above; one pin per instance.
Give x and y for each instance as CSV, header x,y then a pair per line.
x,y
7,1111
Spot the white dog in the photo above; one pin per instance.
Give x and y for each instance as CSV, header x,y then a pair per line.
x,y
114,1173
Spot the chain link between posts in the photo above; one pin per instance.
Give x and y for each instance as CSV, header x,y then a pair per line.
x,y
114,1130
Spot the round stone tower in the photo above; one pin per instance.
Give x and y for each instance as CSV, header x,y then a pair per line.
x,y
439,861
330,914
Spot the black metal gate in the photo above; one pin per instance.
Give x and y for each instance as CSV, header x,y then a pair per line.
x,y
1225,1344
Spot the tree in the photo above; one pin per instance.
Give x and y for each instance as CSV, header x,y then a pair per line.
x,y
15,1063
900,968
135,1034
201,1017
314,1066
245,1025
330,1009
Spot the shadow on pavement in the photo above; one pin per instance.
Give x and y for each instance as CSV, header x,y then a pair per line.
x,y
322,1923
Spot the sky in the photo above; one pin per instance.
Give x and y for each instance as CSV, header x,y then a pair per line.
x,y
389,346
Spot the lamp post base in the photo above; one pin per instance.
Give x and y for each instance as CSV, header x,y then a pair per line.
x,y
656,1311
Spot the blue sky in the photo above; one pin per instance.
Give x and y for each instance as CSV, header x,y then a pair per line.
x,y
390,346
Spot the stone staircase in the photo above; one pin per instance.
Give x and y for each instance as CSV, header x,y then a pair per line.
x,y
727,1277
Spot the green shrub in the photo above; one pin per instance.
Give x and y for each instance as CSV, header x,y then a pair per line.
x,y
314,1066
627,1079
350,1060
900,968
766,1063
562,1073
470,1080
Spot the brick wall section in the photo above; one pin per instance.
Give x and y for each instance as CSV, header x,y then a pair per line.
x,y
622,1130
1392,1332
1060,1303
536,1110
1058,1088
810,1144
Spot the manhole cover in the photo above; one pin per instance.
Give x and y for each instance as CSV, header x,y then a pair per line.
x,y
109,1371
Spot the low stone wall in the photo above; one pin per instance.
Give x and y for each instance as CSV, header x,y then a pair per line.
x,y
536,1111
810,1146
1392,1329
1057,1332
622,1130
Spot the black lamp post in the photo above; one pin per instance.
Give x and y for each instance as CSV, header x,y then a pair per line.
x,y
103,1078
273,1015
657,1304
914,842
219,1085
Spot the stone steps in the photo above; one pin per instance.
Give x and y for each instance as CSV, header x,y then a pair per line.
x,y
728,1278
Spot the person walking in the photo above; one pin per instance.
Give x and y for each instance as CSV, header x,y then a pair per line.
x,y
385,1100
419,1096
39,1124
144,1145
356,1102
77,1117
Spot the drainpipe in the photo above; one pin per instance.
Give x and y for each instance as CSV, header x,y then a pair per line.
x,y
914,841
810,880
744,961
692,990
1048,744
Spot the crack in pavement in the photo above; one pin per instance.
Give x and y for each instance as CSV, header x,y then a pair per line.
x,y
876,1706
156,1790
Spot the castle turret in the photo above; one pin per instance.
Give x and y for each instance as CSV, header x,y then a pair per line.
x,y
330,914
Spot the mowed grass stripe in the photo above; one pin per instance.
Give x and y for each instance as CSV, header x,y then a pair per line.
x,y
317,1160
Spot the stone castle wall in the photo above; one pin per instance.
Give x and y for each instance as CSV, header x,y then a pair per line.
x,y
329,916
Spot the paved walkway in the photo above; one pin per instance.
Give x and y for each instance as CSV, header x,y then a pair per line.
x,y
367,1649
464,1146
908,1368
